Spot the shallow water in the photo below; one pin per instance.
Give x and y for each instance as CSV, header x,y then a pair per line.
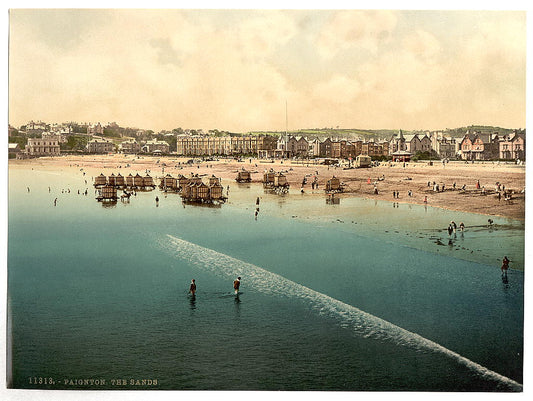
x,y
332,296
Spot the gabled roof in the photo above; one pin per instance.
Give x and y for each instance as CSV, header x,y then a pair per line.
x,y
409,138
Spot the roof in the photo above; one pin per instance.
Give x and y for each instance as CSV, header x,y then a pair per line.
x,y
402,153
409,138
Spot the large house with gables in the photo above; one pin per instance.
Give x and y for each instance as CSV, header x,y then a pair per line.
x,y
512,147
479,146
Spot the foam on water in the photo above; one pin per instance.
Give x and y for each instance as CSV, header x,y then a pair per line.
x,y
348,316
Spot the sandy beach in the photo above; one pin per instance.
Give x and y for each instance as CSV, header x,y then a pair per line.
x,y
417,177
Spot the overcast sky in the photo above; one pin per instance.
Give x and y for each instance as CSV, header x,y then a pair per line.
x,y
235,70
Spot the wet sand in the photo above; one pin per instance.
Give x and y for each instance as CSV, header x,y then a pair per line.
x,y
388,178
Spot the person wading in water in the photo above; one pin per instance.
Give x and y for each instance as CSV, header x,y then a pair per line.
x,y
505,266
192,288
236,285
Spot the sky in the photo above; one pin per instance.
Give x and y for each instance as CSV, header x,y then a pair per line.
x,y
241,70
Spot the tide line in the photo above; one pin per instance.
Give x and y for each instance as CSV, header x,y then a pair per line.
x,y
363,323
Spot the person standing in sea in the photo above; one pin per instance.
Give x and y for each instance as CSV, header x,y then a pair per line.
x,y
505,266
192,288
236,285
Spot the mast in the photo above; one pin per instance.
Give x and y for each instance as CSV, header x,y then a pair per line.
x,y
286,119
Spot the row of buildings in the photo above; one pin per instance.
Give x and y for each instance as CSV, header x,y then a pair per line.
x,y
473,146
401,147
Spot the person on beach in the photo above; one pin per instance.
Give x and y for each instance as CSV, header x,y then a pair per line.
x,y
236,285
450,229
505,265
461,226
257,201
192,288
55,202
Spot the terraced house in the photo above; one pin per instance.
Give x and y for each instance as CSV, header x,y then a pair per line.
x,y
512,147
479,146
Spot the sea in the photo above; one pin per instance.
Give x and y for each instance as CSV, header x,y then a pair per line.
x,y
351,295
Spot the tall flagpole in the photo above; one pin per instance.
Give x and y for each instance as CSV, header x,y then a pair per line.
x,y
286,119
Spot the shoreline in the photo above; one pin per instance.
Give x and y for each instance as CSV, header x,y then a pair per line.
x,y
417,177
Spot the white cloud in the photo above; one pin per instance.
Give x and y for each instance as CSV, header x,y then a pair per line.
x,y
422,44
163,69
365,29
338,89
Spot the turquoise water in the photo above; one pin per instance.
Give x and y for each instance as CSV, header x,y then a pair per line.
x,y
356,296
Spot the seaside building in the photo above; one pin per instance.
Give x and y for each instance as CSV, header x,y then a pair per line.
x,y
373,149
398,143
292,145
100,146
479,146
14,151
282,147
326,148
512,147
266,143
302,147
130,146
342,149
314,147
445,146
206,145
156,146
42,147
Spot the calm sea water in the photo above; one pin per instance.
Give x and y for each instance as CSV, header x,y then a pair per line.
x,y
362,295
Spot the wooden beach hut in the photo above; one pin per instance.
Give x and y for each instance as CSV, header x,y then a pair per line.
x,y
280,180
182,182
111,180
168,183
130,182
215,192
186,191
334,185
243,176
138,181
101,180
119,181
193,191
107,193
268,178
202,192
148,181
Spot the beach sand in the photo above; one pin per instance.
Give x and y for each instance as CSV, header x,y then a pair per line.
x,y
388,177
